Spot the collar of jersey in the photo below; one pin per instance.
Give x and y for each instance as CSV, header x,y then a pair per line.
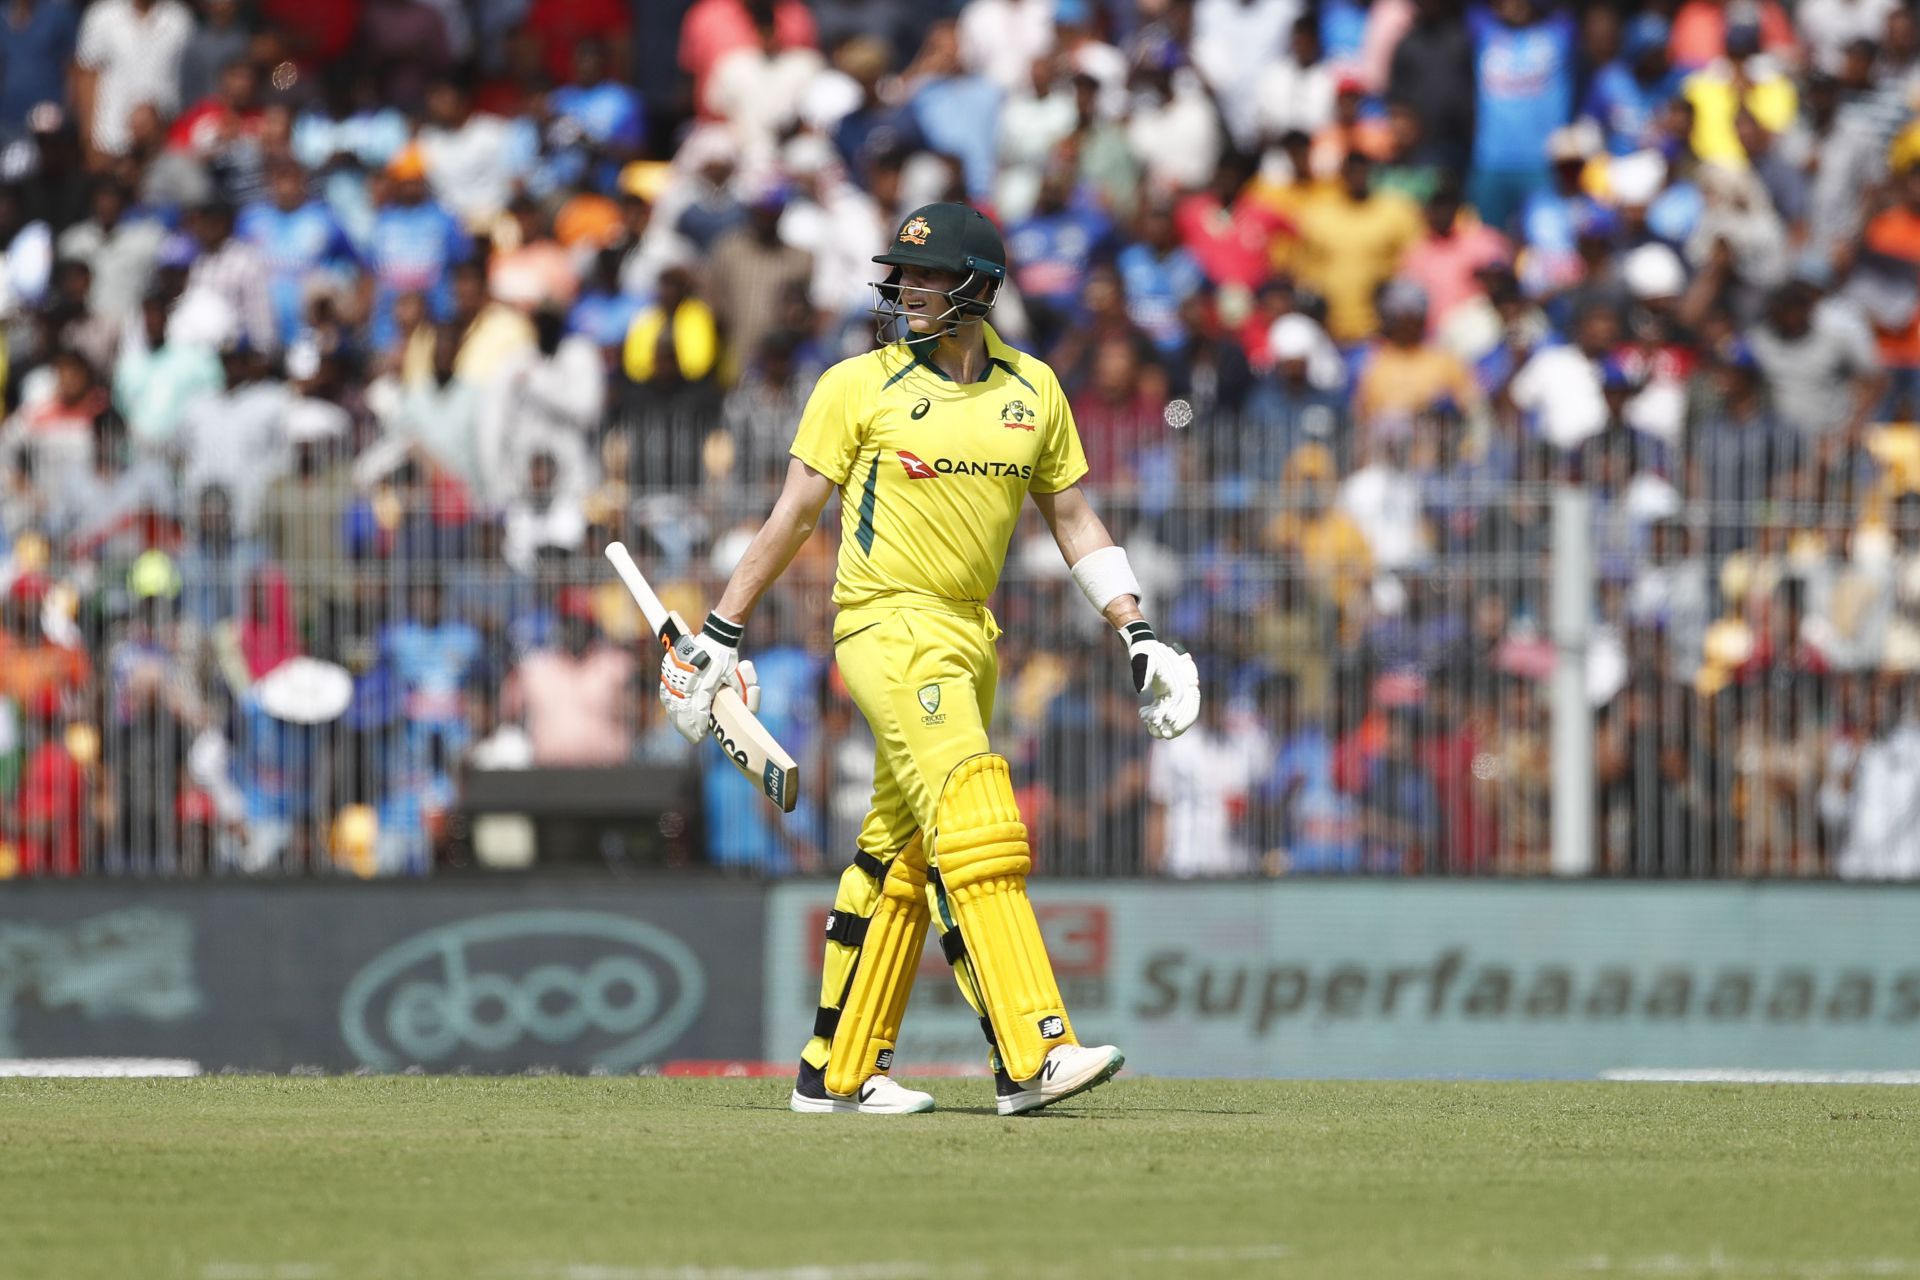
x,y
999,355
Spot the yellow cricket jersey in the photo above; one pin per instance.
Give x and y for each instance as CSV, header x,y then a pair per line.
x,y
932,473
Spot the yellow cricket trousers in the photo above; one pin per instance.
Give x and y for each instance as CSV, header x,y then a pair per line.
x,y
922,671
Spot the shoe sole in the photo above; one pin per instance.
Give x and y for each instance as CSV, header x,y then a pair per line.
x,y
1092,1082
802,1105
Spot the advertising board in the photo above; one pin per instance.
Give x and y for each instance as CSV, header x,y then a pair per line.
x,y
573,975
1499,979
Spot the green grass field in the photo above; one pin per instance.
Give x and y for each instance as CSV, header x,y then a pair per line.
x,y
647,1179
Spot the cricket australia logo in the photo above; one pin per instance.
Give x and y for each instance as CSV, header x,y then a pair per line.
x,y
1016,416
916,231
930,703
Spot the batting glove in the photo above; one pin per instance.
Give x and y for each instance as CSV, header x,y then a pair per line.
x,y
697,668
1164,674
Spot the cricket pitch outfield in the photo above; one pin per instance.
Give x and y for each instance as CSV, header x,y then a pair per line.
x,y
561,1178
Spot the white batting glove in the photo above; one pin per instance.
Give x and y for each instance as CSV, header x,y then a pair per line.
x,y
696,669
1164,674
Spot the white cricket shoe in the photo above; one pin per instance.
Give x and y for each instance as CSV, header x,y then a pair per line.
x,y
1069,1069
878,1096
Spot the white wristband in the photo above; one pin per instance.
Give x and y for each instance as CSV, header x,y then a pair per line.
x,y
1104,576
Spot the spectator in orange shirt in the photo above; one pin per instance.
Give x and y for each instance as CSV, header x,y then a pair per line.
x,y
1699,33
1892,242
1350,131
32,667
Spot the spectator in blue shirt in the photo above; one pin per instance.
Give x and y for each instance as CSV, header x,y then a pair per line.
x,y
958,113
596,125
1052,249
1399,808
416,242
299,238
609,113
1627,94
1158,275
1524,68
604,312
434,658
742,831
875,127
36,48
1302,816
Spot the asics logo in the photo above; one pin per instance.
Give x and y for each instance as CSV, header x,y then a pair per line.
x,y
920,408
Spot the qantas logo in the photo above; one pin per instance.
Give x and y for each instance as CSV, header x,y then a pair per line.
x,y
918,470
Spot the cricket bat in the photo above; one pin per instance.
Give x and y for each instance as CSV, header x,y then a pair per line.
x,y
741,736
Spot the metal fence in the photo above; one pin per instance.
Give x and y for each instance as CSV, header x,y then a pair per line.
x,y
307,679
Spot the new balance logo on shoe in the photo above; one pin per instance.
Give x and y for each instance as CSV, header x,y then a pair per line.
x,y
1046,1072
1052,1028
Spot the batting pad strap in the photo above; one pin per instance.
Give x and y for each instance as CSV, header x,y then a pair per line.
x,y
845,929
870,864
953,946
1104,576
981,848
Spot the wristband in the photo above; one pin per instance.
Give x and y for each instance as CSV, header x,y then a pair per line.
x,y
1104,576
723,632
1137,633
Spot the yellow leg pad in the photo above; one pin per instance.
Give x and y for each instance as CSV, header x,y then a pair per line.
x,y
883,971
981,852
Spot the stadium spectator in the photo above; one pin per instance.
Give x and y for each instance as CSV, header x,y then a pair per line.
x,y
1351,242
502,286
36,47
571,694
1524,75
415,245
127,54
1199,784
1449,259
1294,93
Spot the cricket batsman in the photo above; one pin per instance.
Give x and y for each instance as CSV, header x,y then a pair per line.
x,y
934,441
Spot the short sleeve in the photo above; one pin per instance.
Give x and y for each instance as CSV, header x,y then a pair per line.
x,y
831,425
1159,774
1062,460
90,50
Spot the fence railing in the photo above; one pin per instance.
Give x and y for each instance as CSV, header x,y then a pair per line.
x,y
1374,640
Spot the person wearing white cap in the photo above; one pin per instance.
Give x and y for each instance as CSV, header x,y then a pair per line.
x,y
1657,282
1301,401
301,514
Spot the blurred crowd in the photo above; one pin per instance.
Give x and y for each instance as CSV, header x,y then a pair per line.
x,y
339,338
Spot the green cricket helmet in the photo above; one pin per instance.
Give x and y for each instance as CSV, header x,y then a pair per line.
x,y
943,237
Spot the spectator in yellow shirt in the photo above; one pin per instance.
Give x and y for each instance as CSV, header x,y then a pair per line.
x,y
1745,78
675,341
1351,243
